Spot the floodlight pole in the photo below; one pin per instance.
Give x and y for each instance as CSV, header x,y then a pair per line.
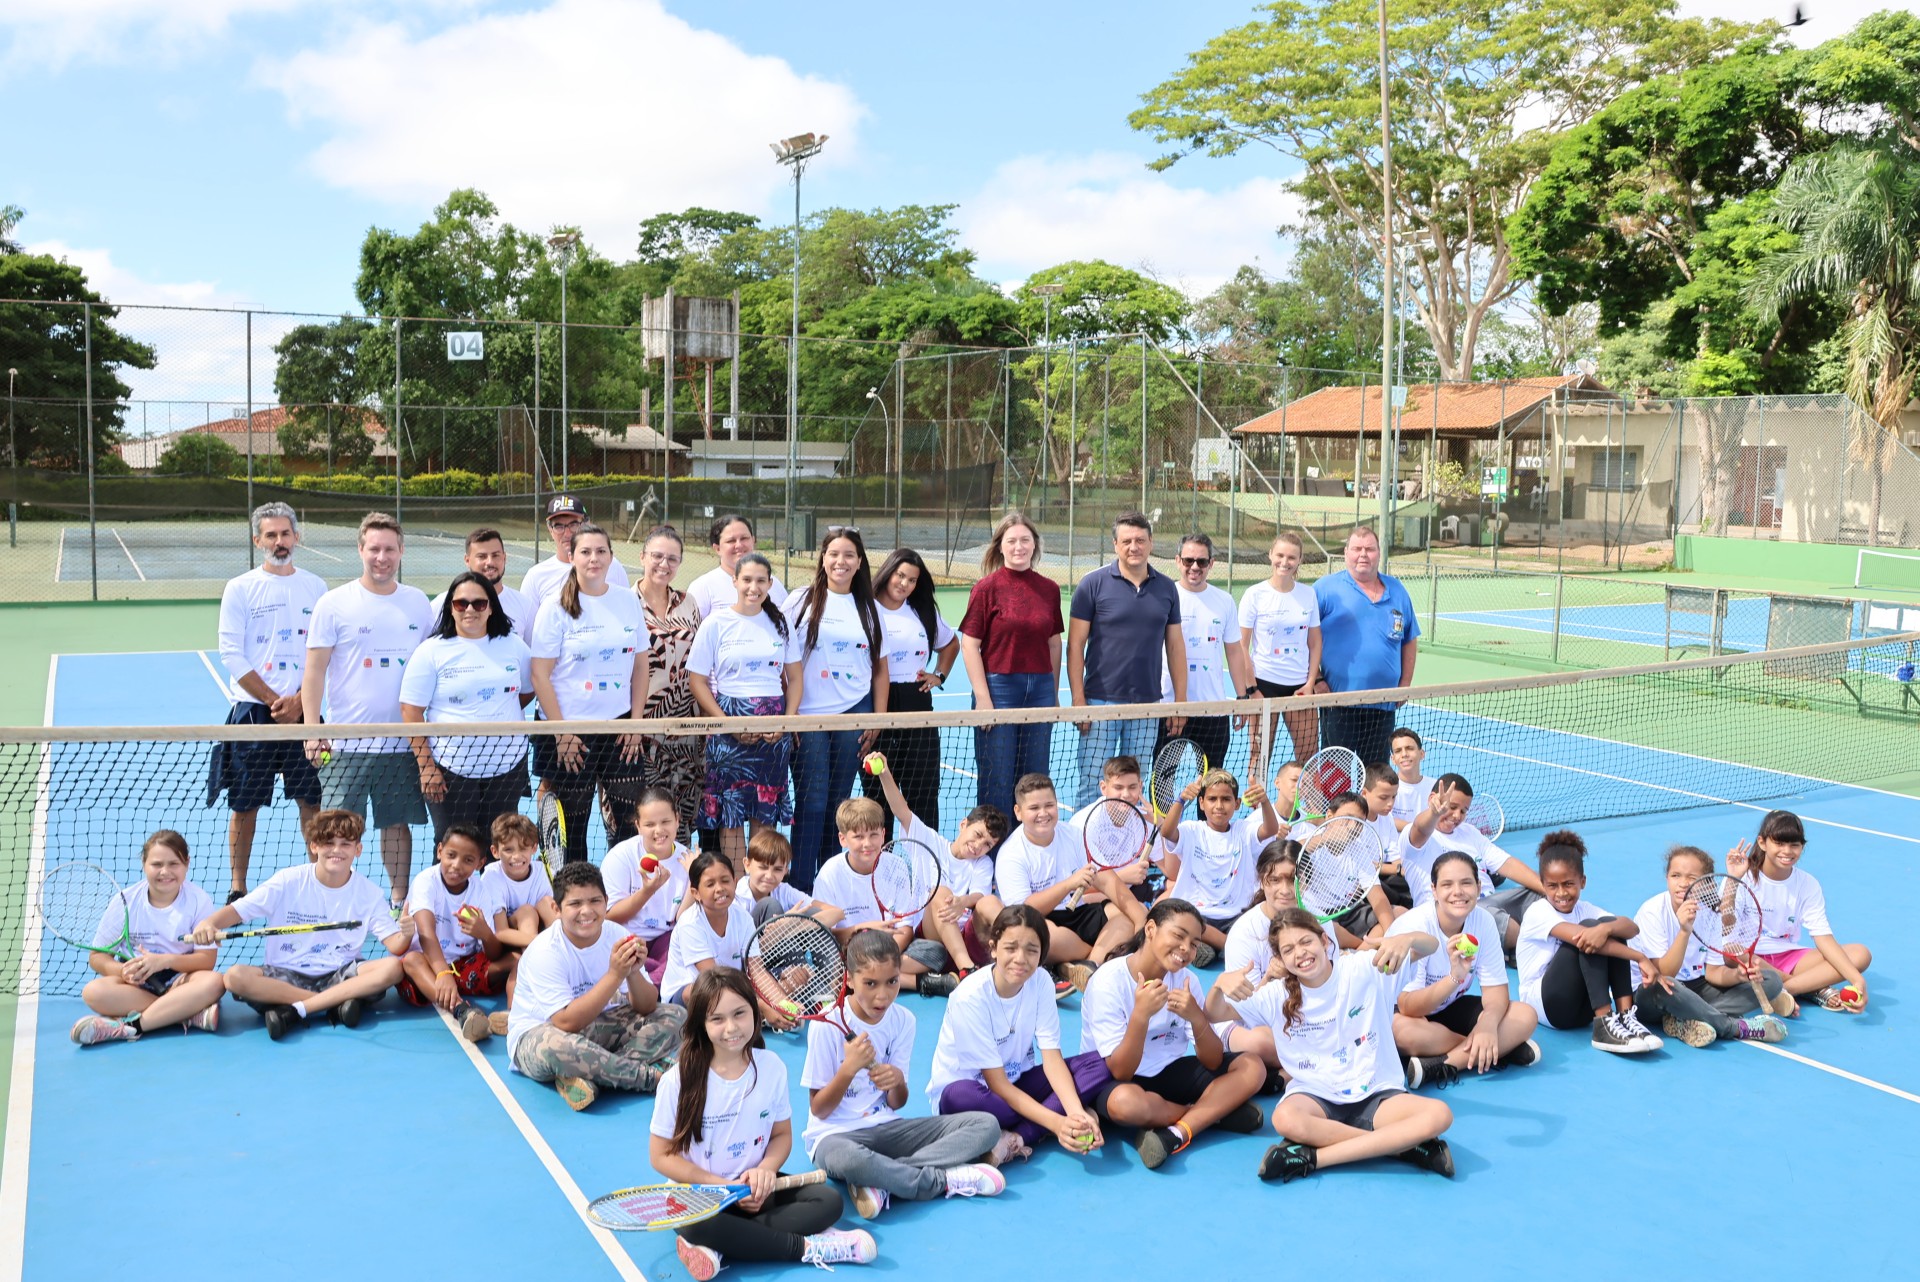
x,y
1047,292
1386,297
562,245
795,152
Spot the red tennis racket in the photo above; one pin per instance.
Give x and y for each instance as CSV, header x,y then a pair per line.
x,y
1114,834
1327,774
795,966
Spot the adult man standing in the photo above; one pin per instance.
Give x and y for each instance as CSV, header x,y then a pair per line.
x,y
363,634
565,514
1124,618
487,557
1217,662
264,617
1369,641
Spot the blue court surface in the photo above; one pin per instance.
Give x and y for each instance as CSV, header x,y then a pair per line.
x,y
1650,623
397,1147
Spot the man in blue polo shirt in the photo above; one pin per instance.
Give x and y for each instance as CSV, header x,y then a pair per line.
x,y
1124,618
1368,634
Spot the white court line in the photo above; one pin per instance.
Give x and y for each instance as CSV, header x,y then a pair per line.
x,y
1679,792
1894,1091
26,1024
219,678
616,1254
128,553
307,547
60,555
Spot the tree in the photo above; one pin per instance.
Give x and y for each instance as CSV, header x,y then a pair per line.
x,y
1099,300
1478,92
319,379
200,454
10,216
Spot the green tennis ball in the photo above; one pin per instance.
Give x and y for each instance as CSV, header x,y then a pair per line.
x,y
876,763
1469,946
326,756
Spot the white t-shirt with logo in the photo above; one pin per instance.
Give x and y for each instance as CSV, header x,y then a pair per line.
x,y
1247,942
593,654
622,873
784,895
1488,966
1107,1007
714,591
1209,624
961,876
1409,799
372,637
542,583
904,638
742,656
1217,868
1538,944
518,607
457,679
1660,926
430,892
553,973
1276,623
1340,1048
695,940
851,891
505,895
863,1104
838,671
264,620
739,1117
1417,861
295,897
1787,908
981,1029
1023,867
155,930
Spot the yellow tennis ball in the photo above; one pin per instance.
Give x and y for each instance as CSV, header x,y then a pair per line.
x,y
876,763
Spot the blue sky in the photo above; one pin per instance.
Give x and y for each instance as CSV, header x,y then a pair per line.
x,y
234,152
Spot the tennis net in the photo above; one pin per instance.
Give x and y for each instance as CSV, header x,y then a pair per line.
x,y
1772,726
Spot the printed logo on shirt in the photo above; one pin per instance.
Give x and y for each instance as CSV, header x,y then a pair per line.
x,y
366,631
586,685
366,663
1356,1010
384,661
260,640
485,692
512,668
413,627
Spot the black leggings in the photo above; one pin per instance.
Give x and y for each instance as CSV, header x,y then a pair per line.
x,y
1577,984
777,1231
618,782
913,755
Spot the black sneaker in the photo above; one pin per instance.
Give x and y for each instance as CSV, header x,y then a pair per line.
x,y
1431,1070
934,984
1245,1120
1286,1162
1204,954
279,1020
1429,1155
1158,1143
347,1013
1276,1082
1525,1055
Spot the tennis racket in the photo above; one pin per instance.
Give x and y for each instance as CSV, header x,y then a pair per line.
x,y
80,903
675,1206
1338,865
1327,774
258,932
553,833
905,878
794,964
1115,833
1728,925
1177,764
1486,815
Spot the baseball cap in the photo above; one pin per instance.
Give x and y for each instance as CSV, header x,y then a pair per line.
x,y
561,504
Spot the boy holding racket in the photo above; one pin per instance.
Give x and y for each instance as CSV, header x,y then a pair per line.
x,y
305,974
966,866
1120,781
1043,867
455,954
584,1013
846,882
764,890
1214,857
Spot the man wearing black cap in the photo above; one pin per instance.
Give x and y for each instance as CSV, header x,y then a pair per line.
x,y
565,514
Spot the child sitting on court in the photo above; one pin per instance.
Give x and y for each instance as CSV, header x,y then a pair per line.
x,y
846,882
1120,781
516,884
1213,857
722,1116
713,929
647,877
856,1088
167,982
1247,962
966,867
764,890
1575,965
304,974
1366,923
1381,790
455,954
1410,786
584,1014
1815,964
1442,826
1043,867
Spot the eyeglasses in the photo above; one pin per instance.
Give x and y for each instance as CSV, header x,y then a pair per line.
x,y
564,523
673,557
1196,562
843,529
473,603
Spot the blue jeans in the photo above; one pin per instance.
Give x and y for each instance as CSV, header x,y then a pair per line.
x,y
824,762
1002,753
1112,739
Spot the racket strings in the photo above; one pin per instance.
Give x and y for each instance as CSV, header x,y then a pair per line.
x,y
75,900
1176,765
795,961
1337,866
1329,774
1728,919
905,878
1115,834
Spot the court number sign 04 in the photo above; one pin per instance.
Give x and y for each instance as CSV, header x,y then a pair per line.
x,y
465,346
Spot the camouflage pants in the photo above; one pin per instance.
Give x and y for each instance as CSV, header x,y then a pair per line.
x,y
621,1049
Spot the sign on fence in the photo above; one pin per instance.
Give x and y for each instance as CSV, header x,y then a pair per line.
x,y
465,346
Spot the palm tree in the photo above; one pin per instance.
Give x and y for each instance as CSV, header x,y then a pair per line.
x,y
1856,209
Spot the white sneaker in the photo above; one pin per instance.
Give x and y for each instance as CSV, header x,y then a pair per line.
x,y
868,1200
976,1179
207,1021
1008,1148
1648,1039
91,1030
702,1262
840,1246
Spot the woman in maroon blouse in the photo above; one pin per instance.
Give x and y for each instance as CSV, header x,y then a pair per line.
x,y
1010,640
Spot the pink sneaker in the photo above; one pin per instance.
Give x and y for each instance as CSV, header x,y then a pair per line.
x,y
840,1246
207,1021
702,1261
91,1030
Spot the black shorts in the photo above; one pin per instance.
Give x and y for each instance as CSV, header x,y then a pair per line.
x,y
1357,1113
1086,921
1460,1016
1186,1079
602,762
1221,924
1394,886
245,768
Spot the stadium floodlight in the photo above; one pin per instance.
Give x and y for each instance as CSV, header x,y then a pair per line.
x,y
795,152
563,245
798,149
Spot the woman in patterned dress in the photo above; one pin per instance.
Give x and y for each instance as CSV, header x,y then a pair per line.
x,y
674,762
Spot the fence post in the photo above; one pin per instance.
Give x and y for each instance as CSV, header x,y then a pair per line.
x,y
1073,444
1559,599
93,519
1143,423
250,548
533,456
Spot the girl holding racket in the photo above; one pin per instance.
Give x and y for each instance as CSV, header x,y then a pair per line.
x,y
721,1116
1332,1026
1442,1028
713,929
985,1059
1574,959
1145,1015
1695,998
1248,959
1281,618
1214,857
166,982
1794,907
856,1087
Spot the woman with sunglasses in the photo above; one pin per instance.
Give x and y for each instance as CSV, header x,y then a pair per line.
x,y
471,668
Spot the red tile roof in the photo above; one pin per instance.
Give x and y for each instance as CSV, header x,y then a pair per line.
x,y
1452,409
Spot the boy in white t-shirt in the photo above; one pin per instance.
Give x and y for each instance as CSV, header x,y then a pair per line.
x,y
1214,857
857,1086
846,882
1442,826
455,954
1120,781
310,972
1411,787
584,1014
1043,867
518,895
966,866
764,889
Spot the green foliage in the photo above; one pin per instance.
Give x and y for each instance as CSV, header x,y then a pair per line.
x,y
200,454
1099,300
320,378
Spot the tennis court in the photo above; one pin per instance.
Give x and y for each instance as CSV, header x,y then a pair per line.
x,y
334,1149
150,552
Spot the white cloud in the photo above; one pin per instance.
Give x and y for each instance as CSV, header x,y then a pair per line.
x,y
1825,19
596,112
1039,210
48,34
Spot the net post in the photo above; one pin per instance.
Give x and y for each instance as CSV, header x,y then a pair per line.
x,y
1559,601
